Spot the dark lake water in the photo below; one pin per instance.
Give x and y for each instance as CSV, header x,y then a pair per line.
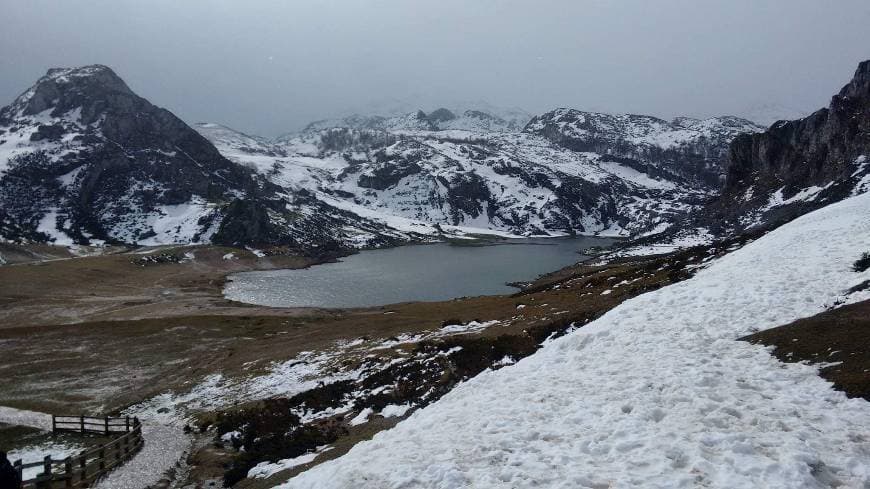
x,y
410,273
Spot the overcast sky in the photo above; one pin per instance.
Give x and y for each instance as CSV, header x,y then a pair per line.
x,y
268,67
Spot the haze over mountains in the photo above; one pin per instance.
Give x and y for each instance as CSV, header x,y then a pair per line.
x,y
84,160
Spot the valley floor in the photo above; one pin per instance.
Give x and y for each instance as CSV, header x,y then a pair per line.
x,y
47,285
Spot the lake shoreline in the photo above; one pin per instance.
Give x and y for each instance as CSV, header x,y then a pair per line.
x,y
435,272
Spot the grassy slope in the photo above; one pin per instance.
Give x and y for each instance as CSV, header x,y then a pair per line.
x,y
840,336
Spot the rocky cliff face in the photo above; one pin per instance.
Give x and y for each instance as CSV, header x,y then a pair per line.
x,y
798,166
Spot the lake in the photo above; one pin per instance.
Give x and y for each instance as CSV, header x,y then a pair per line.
x,y
430,272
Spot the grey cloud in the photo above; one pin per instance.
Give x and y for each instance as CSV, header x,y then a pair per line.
x,y
268,67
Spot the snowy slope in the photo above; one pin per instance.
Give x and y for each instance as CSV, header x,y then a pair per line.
x,y
656,393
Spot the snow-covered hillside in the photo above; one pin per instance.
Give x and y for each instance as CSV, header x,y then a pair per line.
x,y
418,171
656,393
687,149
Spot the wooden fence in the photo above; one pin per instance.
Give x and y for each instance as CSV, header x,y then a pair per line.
x,y
83,469
84,424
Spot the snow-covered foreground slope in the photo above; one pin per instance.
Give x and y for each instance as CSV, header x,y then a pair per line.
x,y
656,393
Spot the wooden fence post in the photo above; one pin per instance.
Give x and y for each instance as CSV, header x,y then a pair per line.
x,y
107,426
127,424
46,465
102,455
53,423
19,469
82,420
67,467
83,463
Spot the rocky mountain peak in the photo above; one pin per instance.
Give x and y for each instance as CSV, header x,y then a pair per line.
x,y
65,89
859,87
816,150
441,115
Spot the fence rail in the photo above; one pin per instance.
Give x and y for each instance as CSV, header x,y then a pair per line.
x,y
85,424
83,469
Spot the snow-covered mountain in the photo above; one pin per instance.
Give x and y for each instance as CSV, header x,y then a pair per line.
x,y
684,149
437,120
566,172
85,160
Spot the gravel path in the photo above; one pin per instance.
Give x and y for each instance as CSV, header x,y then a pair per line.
x,y
165,445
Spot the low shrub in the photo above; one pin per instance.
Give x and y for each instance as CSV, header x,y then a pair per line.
x,y
863,263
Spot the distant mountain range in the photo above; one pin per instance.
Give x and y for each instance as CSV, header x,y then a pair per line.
x,y
564,172
85,160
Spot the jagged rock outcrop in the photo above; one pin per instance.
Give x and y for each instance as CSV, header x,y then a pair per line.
x,y
797,166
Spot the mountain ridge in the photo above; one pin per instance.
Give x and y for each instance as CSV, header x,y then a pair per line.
x,y
108,166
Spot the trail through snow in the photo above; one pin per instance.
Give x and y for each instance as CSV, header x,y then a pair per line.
x,y
165,445
657,392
